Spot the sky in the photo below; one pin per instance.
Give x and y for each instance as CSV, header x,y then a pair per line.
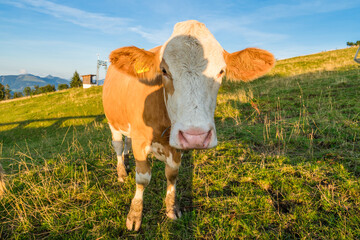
x,y
53,37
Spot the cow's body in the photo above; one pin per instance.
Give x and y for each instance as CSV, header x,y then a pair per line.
x,y
164,100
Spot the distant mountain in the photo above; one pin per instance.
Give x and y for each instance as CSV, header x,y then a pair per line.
x,y
18,82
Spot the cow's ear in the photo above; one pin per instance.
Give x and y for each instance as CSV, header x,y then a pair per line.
x,y
137,62
248,64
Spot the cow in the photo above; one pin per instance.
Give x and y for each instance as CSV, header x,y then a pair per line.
x,y
163,101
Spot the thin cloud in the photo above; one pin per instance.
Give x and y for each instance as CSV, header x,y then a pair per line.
x,y
96,21
155,36
76,16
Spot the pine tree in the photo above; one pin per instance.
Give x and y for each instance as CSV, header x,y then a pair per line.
x,y
2,92
36,90
7,92
75,80
27,91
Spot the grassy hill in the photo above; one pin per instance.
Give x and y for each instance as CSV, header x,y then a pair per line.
x,y
287,163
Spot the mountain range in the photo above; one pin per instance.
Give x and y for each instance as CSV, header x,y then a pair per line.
x,y
17,83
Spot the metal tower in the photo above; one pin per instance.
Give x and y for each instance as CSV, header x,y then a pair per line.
x,y
99,64
355,58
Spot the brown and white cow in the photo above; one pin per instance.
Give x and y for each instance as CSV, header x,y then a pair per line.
x,y
164,101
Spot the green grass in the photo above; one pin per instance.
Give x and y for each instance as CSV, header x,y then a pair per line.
x,y
286,167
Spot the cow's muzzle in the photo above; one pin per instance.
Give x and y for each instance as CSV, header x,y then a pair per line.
x,y
195,138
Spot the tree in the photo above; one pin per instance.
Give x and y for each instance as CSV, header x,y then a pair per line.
x,y
47,88
27,91
2,92
75,80
18,95
63,86
7,92
350,44
36,90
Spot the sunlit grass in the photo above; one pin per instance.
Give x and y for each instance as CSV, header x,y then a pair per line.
x,y
286,167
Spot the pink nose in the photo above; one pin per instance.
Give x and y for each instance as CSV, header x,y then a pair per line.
x,y
195,139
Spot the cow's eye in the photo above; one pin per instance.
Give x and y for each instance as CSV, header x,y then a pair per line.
x,y
164,71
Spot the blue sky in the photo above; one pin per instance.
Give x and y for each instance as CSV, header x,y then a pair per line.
x,y
55,37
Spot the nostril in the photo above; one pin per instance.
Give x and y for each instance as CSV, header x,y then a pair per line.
x,y
182,138
208,139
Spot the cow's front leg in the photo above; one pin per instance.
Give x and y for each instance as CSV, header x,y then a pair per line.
x,y
143,176
171,171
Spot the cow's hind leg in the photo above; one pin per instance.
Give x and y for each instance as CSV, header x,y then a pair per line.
x,y
143,176
118,144
125,154
173,162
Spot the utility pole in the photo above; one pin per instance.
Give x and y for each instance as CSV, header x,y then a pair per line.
x,y
100,63
356,59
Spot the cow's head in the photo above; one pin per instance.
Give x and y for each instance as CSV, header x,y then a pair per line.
x,y
192,64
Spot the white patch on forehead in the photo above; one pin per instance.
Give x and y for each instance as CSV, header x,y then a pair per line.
x,y
191,43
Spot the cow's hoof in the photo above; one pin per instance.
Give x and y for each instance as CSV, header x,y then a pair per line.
x,y
134,217
173,213
122,174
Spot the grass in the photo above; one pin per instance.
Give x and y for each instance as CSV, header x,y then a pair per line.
x,y
286,167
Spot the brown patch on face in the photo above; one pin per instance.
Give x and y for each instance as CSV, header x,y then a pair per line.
x,y
248,64
167,78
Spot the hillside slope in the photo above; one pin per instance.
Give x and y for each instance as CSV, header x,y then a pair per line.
x,y
286,167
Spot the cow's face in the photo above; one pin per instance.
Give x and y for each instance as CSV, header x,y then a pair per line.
x,y
192,64
192,67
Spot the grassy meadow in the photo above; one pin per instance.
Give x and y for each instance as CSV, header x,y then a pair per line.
x,y
287,165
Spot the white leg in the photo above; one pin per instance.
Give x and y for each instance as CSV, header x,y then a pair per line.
x,y
143,176
173,162
118,144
